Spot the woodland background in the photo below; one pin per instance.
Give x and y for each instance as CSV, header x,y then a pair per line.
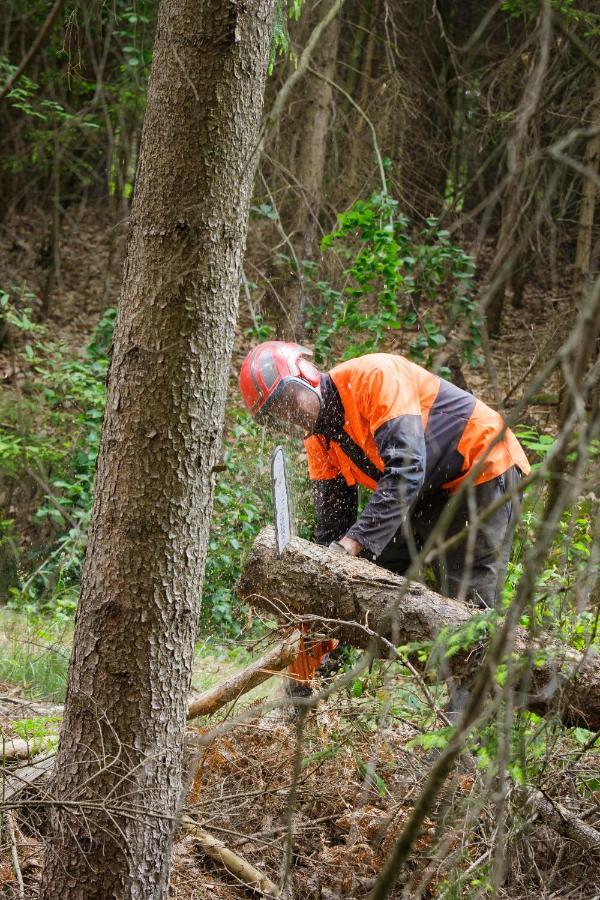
x,y
426,184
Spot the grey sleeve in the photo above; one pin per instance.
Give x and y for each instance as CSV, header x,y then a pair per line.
x,y
401,445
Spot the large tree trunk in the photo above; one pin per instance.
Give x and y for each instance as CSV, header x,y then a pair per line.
x,y
361,599
125,713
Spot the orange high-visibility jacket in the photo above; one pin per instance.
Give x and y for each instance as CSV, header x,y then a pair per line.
x,y
391,426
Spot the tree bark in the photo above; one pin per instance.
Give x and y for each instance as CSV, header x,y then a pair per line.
x,y
125,712
361,600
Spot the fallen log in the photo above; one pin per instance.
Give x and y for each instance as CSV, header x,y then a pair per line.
x,y
360,599
272,662
14,781
14,748
17,748
561,819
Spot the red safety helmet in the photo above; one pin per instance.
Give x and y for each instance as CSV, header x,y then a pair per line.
x,y
271,369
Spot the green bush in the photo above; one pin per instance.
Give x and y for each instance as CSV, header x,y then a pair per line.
x,y
391,279
55,443
242,503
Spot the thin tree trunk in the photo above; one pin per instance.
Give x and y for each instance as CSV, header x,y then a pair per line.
x,y
511,229
587,208
583,280
356,150
360,30
125,712
311,168
53,277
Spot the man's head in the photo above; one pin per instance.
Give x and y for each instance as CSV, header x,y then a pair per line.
x,y
280,387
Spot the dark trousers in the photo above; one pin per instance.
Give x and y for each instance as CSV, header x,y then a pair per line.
x,y
474,570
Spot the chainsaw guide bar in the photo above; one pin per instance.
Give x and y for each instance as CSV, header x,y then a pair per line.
x,y
282,507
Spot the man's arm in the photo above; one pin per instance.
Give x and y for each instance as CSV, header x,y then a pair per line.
x,y
401,445
391,405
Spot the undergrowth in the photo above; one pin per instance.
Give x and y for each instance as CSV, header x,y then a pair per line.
x,y
52,421
34,655
392,278
48,448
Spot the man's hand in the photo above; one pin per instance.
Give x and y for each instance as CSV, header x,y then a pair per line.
x,y
352,547
346,545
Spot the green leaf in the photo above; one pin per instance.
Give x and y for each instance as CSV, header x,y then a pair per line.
x,y
357,688
581,735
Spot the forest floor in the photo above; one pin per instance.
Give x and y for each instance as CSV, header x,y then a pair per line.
x,y
346,815
357,776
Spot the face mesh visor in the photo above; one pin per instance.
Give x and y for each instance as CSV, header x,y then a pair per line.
x,y
291,402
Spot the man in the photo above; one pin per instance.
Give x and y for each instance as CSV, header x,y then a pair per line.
x,y
385,423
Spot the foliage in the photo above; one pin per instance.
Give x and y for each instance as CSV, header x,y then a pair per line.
x,y
280,38
391,280
55,443
532,440
40,732
572,14
16,311
556,608
34,654
55,440
83,113
241,506
75,124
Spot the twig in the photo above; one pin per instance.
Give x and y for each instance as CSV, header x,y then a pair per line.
x,y
14,855
288,852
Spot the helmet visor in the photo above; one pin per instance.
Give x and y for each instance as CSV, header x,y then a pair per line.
x,y
293,404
